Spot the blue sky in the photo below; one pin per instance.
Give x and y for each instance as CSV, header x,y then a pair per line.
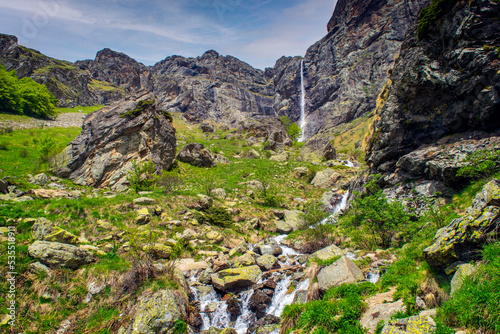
x,y
255,31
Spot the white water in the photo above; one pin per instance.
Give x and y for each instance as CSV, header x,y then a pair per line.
x,y
286,250
349,164
281,298
339,207
243,321
220,318
302,103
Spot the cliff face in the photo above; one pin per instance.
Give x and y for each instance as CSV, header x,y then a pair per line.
x,y
445,83
345,71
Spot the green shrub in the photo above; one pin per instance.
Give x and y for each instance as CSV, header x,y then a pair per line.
x,y
215,216
180,327
169,180
429,15
141,107
480,164
141,177
476,304
293,130
314,213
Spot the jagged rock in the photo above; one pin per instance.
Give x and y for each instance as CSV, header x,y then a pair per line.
x,y
37,267
326,178
219,193
159,251
219,158
45,230
317,150
413,325
187,265
51,193
144,201
463,238
340,272
300,297
143,217
214,237
327,253
252,140
283,227
293,219
269,246
4,187
205,276
380,309
39,179
237,278
247,259
205,202
252,154
158,312
259,303
464,270
196,155
55,254
445,77
331,199
300,171
241,249
110,141
264,325
233,307
220,264
267,262
205,127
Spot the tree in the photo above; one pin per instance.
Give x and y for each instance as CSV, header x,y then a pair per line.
x,y
293,129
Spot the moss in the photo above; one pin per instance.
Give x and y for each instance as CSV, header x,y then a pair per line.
x,y
429,15
141,107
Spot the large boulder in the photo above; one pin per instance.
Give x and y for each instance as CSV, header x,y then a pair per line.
x,y
326,178
419,324
158,313
379,309
56,254
45,230
463,271
236,278
464,237
317,150
259,302
196,155
340,272
267,262
271,129
112,139
269,246
327,253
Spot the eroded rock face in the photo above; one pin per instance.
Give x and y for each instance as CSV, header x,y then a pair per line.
x,y
464,237
442,84
103,154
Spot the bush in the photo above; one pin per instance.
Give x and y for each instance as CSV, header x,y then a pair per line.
x,y
480,164
141,177
25,96
476,304
170,181
429,15
314,213
269,192
215,216
293,130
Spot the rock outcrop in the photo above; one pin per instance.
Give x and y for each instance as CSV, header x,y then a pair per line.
x,y
56,254
196,155
340,272
237,278
112,139
463,239
444,82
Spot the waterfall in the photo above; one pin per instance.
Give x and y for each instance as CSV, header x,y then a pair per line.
x,y
339,207
302,102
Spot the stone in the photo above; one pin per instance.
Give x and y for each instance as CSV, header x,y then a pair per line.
x,y
252,154
116,137
281,157
300,297
52,193
463,271
4,187
259,302
283,227
326,179
143,217
300,171
158,313
220,264
46,230
159,251
380,309
236,278
205,202
414,325
252,140
214,237
327,253
269,246
317,150
233,307
293,219
340,272
37,267
247,259
265,325
196,155
271,130
55,254
144,201
205,127
219,193
267,262
39,179
187,265
462,239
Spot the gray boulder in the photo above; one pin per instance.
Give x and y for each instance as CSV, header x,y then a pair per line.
x,y
205,127
55,254
196,155
340,272
236,278
327,253
112,139
45,230
326,178
317,150
463,271
269,246
39,179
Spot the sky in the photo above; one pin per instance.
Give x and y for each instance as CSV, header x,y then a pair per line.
x,y
258,32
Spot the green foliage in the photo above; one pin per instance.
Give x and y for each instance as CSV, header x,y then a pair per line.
x,y
168,116
314,213
269,192
180,327
374,222
293,129
141,107
476,304
46,147
429,15
215,216
480,164
338,312
79,109
24,96
141,177
169,180
209,181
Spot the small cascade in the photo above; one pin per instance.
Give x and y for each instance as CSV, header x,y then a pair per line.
x,y
339,207
220,318
286,250
302,102
349,164
246,317
281,296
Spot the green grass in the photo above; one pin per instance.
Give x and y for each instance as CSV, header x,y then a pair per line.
x,y
79,109
23,149
105,86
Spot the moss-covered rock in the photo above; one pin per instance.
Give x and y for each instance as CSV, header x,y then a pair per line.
x,y
412,325
461,274
463,238
143,217
236,278
158,313
327,253
340,272
46,230
159,251
267,262
55,254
